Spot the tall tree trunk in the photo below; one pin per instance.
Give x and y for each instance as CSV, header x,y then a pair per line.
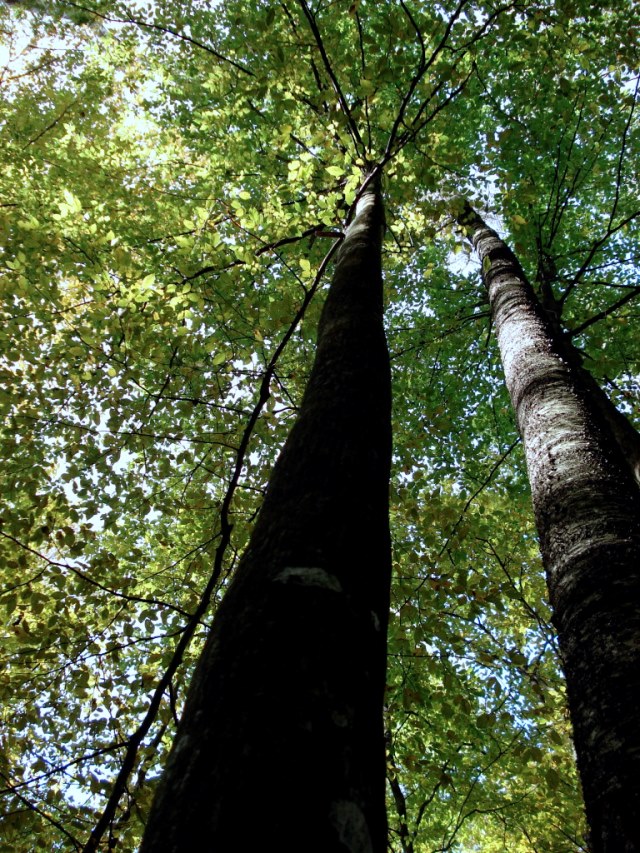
x,y
587,509
281,743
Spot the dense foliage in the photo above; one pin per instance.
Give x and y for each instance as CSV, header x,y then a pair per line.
x,y
173,175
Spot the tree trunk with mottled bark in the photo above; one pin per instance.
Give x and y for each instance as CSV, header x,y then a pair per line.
x,y
587,509
281,744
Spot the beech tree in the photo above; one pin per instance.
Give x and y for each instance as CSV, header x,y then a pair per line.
x,y
173,177
287,697
587,509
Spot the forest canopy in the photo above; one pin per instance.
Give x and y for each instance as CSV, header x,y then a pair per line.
x,y
175,178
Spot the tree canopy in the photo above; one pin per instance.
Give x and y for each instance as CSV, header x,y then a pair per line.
x,y
176,178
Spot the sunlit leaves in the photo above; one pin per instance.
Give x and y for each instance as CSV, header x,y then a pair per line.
x,y
173,175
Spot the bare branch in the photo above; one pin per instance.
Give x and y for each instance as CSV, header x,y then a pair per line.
x,y
77,844
353,127
606,312
167,31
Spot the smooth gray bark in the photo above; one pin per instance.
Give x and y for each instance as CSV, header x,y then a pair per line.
x,y
281,744
587,509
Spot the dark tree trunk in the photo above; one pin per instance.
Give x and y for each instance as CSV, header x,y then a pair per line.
x,y
281,744
587,509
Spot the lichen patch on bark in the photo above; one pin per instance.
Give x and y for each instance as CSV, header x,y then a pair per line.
x,y
349,820
309,576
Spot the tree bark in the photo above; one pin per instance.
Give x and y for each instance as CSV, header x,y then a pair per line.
x,y
626,435
281,743
587,509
